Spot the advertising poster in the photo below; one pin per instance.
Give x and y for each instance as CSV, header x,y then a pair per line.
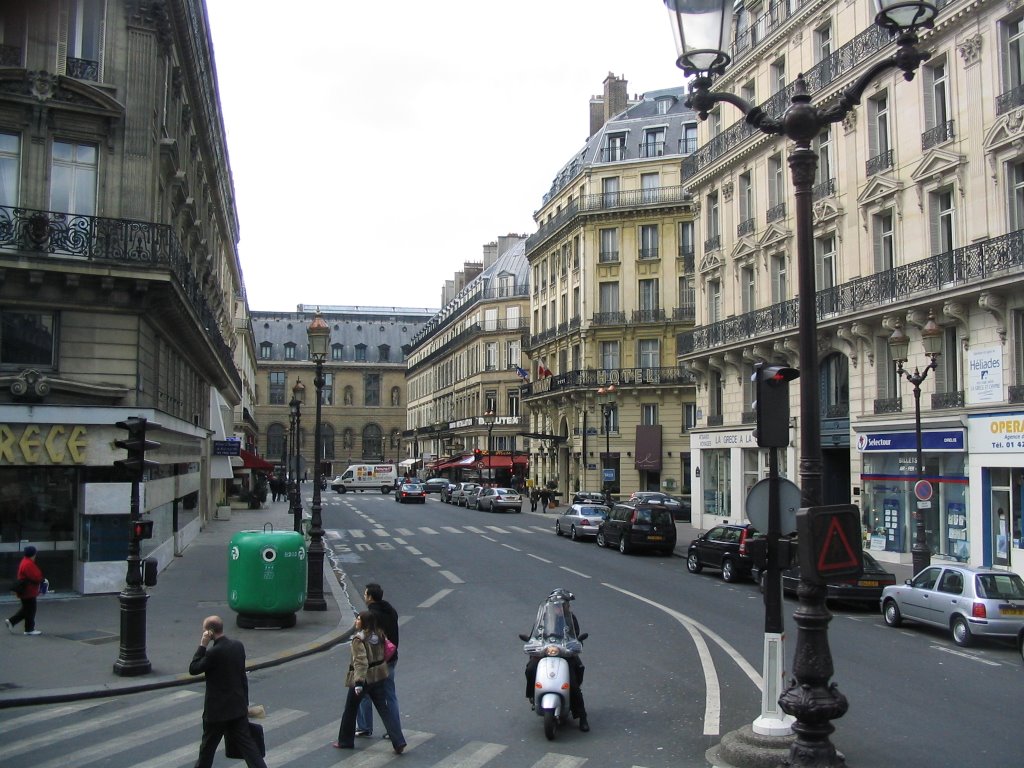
x,y
956,531
891,515
985,374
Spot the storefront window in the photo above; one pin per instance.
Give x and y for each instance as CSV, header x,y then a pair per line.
x,y
37,506
717,483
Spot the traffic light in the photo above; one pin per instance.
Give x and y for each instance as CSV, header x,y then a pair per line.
x,y
136,445
771,388
142,529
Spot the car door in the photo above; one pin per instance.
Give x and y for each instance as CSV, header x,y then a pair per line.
x,y
616,524
948,594
916,599
711,549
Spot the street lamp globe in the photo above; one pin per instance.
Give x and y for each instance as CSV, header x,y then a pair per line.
x,y
931,337
319,336
899,346
904,16
489,418
701,29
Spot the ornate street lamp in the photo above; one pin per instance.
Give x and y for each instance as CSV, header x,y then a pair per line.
x,y
606,397
899,345
295,414
489,419
319,335
702,29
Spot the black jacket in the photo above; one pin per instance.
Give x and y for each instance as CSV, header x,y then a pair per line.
x,y
387,617
227,688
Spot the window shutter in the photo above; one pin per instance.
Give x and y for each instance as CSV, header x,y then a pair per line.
x,y
935,238
876,242
101,29
928,84
884,370
61,66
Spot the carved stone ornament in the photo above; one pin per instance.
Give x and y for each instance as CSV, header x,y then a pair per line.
x,y
43,85
850,121
30,384
970,50
727,188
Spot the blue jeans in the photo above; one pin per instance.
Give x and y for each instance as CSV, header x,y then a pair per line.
x,y
364,718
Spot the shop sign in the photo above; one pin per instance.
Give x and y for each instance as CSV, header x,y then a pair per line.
x,y
932,440
985,374
22,444
227,447
709,440
997,434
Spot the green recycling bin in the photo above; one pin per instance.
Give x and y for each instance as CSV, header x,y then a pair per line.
x,y
266,577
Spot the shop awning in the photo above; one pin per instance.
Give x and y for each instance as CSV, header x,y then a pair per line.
x,y
252,461
407,463
496,462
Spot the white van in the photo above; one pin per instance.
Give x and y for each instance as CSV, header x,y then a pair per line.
x,y
366,477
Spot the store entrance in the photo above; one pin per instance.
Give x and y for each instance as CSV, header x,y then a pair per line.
x,y
37,507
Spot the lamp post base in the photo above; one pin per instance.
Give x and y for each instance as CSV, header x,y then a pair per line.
x,y
132,660
920,559
743,748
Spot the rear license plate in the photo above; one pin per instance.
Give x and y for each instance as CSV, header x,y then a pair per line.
x,y
1011,611
868,583
655,538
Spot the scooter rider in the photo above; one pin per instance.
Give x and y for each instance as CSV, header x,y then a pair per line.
x,y
576,667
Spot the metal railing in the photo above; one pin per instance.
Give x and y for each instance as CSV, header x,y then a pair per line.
x,y
1010,99
591,378
82,69
647,253
10,55
745,227
608,318
686,255
122,242
775,213
889,405
823,189
941,400
937,135
652,149
715,419
1015,393
648,315
880,162
713,243
685,312
614,153
606,257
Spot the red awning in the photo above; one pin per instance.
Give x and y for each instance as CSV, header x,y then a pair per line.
x,y
252,461
497,462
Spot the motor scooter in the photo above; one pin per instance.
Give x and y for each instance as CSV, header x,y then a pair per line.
x,y
552,642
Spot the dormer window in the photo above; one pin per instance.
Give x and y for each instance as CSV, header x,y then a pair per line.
x,y
615,149
664,104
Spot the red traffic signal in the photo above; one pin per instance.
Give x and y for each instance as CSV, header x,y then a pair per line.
x,y
142,529
771,388
136,445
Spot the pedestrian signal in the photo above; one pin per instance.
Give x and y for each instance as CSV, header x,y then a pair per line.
x,y
142,529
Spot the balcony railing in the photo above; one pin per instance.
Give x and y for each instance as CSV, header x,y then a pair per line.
x,y
608,318
878,163
686,312
686,255
745,227
648,315
606,257
775,213
715,419
82,69
688,145
968,265
1010,99
613,154
889,405
648,253
713,243
748,417
937,135
593,378
941,400
652,149
136,245
1015,393
824,189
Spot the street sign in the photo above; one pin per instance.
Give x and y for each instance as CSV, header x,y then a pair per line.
x,y
789,502
608,475
923,490
830,543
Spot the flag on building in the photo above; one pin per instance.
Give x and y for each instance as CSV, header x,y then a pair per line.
x,y
522,373
543,371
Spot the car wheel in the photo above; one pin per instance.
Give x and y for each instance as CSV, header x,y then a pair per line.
x,y
891,613
728,571
600,539
573,535
623,545
693,564
961,631
1020,645
558,529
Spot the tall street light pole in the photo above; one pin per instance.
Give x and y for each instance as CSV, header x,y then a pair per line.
x,y
899,344
606,397
702,29
319,336
489,419
295,495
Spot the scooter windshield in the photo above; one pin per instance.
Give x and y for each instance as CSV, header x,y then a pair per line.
x,y
554,625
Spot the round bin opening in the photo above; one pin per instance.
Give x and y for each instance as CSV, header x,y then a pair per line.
x,y
269,554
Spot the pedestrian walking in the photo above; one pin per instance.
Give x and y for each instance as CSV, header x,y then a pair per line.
x,y
366,674
226,707
545,496
29,579
387,620
534,497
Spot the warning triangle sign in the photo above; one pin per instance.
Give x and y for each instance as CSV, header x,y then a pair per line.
x,y
836,553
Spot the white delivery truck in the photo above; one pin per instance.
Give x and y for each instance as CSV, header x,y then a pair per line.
x,y
366,477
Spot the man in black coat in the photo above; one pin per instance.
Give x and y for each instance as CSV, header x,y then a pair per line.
x,y
226,708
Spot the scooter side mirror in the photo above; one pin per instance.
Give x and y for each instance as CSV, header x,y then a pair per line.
x,y
524,638
583,637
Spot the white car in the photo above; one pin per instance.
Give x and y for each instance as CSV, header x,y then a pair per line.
x,y
580,521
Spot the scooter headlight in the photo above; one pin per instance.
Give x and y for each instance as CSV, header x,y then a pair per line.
x,y
552,650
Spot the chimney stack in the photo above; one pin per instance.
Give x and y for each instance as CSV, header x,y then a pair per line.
x,y
614,100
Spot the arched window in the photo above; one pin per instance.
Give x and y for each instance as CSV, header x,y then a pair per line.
x,y
327,441
275,442
373,446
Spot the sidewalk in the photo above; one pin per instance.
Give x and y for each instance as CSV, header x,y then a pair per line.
x,y
74,657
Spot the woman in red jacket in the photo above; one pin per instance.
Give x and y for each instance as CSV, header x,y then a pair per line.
x,y
29,571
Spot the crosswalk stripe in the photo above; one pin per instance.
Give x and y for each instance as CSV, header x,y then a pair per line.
x,y
379,754
496,529
473,755
130,740
450,529
380,532
430,531
187,755
96,723
541,528
404,531
474,529
521,530
51,714
357,533
554,760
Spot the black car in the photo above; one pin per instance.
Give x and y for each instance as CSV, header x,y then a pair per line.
x,y
588,497
865,591
633,526
724,547
435,484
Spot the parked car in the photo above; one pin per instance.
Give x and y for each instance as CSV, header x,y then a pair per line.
x,y
410,492
680,508
724,547
448,491
469,495
460,493
494,499
967,601
436,484
581,520
587,497
632,526
865,591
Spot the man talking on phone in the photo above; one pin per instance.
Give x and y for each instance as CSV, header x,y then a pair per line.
x,y
226,707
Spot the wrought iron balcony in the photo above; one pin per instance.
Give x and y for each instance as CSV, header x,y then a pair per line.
x,y
82,69
686,254
591,379
836,410
880,162
652,149
648,253
136,245
686,312
937,135
889,405
941,400
614,153
687,145
1010,99
824,189
745,227
713,243
608,318
648,315
1015,393
715,419
608,257
775,213
748,417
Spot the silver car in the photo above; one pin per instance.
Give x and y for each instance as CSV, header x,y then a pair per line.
x,y
462,495
966,601
494,499
580,521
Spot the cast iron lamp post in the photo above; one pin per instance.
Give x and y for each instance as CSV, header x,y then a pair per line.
x,y
319,335
489,418
702,29
294,494
606,397
899,344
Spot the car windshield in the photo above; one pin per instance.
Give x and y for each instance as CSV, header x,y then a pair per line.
x,y
1000,586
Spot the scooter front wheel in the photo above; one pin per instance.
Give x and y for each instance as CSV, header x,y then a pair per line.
x,y
550,721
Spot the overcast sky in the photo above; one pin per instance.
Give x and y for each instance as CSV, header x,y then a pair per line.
x,y
376,146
